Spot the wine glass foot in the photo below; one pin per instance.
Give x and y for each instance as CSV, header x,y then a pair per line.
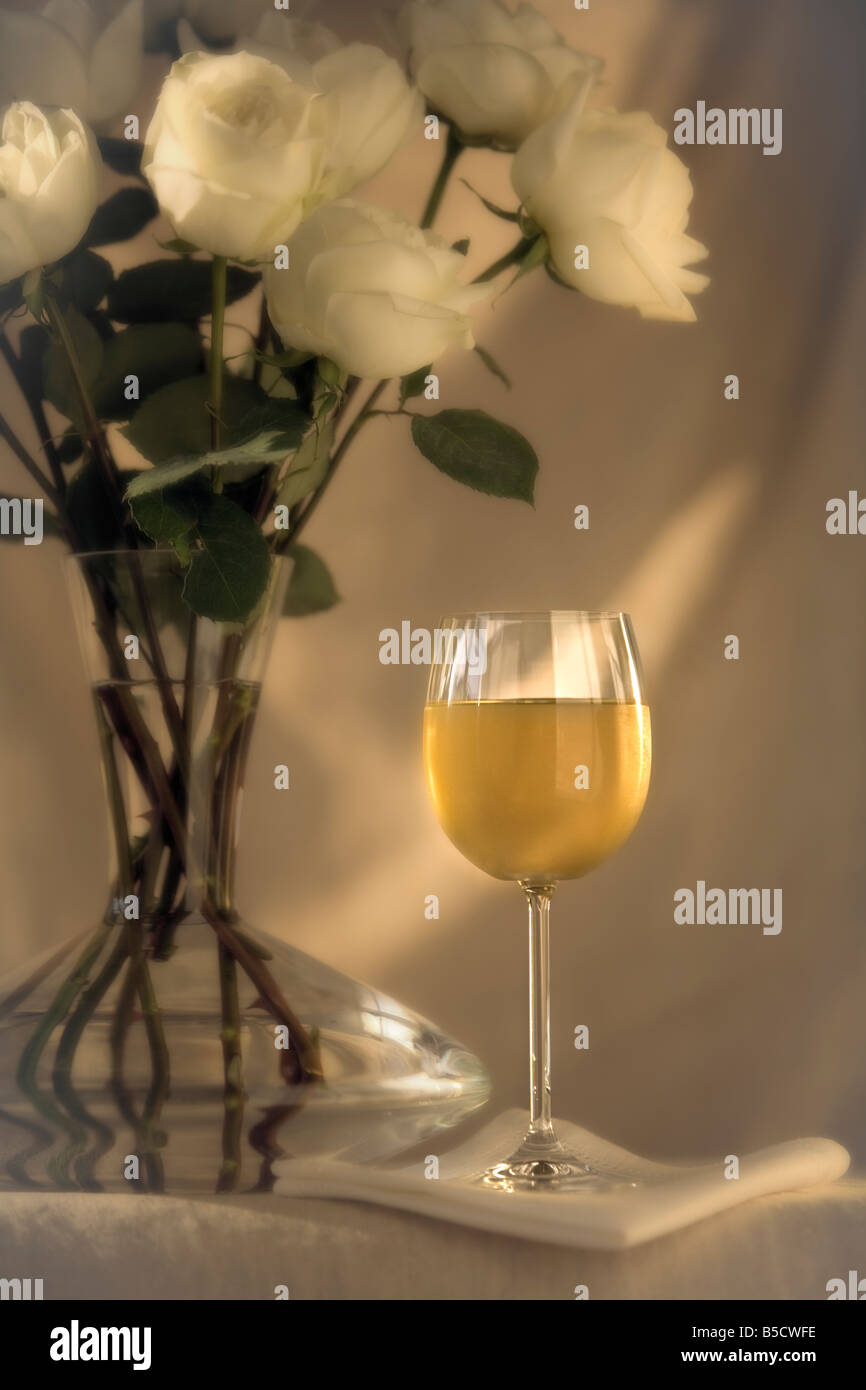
x,y
546,1166
539,1175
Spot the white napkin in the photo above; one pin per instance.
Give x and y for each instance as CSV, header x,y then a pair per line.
x,y
666,1198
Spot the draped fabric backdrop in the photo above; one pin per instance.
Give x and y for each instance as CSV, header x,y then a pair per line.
x,y
706,519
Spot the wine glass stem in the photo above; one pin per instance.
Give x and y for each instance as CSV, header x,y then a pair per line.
x,y
540,1127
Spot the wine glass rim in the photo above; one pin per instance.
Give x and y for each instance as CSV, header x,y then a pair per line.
x,y
541,615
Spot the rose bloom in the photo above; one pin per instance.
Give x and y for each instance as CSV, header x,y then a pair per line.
x,y
371,291
607,181
234,153
49,186
495,73
374,110
73,53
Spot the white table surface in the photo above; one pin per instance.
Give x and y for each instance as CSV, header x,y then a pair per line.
x,y
241,1247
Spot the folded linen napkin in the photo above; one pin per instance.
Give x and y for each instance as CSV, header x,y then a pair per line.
x,y
665,1197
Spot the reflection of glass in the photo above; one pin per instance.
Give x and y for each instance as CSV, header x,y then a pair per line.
x,y
537,749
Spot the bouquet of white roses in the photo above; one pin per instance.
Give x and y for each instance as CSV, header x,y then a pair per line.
x,y
250,155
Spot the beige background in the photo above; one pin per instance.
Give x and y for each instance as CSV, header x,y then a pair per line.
x,y
707,518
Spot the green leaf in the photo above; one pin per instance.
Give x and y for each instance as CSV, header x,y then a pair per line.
x,y
167,517
473,448
85,279
174,421
59,385
493,366
249,457
178,246
278,423
325,402
331,374
309,465
156,353
172,429
535,256
50,524
228,576
123,156
492,207
170,291
414,384
33,292
121,217
311,587
260,450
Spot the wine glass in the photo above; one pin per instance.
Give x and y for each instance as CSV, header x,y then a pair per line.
x,y
537,752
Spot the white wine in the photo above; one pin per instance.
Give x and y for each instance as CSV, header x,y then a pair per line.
x,y
508,782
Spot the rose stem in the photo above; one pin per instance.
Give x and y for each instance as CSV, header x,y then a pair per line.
x,y
512,257
219,273
233,1092
453,150
159,1055
262,340
37,412
8,434
230,1032
117,1040
336,459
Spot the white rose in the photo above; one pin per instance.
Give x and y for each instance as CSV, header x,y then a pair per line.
x,y
49,186
370,290
71,53
608,182
374,111
495,73
234,153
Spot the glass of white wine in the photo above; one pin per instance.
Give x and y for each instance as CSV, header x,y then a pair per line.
x,y
537,751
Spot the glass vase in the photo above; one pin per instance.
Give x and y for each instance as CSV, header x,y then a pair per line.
x,y
173,1047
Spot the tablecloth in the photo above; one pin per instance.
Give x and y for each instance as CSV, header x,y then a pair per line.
x,y
242,1247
